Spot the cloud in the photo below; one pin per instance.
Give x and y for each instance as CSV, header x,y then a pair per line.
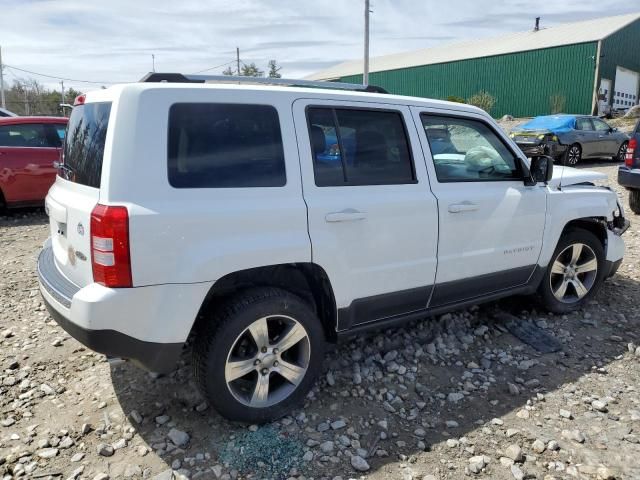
x,y
113,41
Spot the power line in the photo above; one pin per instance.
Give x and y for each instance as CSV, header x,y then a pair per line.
x,y
54,77
213,68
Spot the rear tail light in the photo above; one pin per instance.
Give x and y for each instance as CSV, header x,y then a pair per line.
x,y
110,257
631,147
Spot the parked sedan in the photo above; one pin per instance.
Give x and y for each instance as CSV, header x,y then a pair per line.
x,y
28,148
6,113
570,138
629,173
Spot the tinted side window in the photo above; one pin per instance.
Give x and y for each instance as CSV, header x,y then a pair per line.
x,y
466,150
24,135
54,140
213,145
359,147
583,124
600,126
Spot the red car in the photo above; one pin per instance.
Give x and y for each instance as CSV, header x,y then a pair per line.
x,y
28,148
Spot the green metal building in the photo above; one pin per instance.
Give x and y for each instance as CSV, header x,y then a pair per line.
x,y
583,67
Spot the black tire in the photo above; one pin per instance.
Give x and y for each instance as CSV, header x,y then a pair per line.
x,y
595,280
621,152
225,328
634,201
572,156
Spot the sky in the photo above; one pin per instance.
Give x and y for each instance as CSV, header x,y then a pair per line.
x,y
111,41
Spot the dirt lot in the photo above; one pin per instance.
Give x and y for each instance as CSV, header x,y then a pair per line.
x,y
447,398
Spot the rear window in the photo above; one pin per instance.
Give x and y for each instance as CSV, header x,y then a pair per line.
x,y
213,145
84,143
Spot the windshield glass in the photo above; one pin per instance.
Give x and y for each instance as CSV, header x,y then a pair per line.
x,y
84,144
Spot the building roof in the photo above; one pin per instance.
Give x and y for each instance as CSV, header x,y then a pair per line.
x,y
565,34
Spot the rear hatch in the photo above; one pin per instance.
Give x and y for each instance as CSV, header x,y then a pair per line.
x,y
77,190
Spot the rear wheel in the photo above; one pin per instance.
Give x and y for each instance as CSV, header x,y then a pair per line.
x,y
572,156
634,201
258,356
622,151
575,273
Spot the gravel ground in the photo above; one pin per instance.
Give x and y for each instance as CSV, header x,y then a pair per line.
x,y
445,398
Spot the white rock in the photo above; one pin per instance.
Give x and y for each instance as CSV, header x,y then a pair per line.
x,y
517,473
47,389
538,446
178,437
48,453
359,463
455,397
338,424
77,457
514,452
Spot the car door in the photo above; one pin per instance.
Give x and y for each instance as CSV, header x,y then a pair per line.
x,y
606,143
491,224
373,222
586,136
27,153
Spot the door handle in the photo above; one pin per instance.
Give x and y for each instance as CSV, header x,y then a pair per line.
x,y
462,207
346,215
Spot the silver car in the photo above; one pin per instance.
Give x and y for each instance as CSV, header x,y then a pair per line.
x,y
570,138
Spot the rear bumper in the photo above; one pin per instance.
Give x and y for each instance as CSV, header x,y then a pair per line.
x,y
552,149
147,325
629,178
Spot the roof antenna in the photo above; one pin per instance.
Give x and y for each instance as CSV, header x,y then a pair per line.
x,y
537,27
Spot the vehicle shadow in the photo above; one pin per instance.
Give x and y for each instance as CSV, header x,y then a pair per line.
x,y
24,216
598,162
417,406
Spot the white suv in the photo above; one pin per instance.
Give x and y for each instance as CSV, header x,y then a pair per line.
x,y
255,223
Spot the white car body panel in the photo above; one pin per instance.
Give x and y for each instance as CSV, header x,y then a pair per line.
x,y
392,249
564,176
503,231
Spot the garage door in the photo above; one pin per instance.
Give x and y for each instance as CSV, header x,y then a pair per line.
x,y
625,92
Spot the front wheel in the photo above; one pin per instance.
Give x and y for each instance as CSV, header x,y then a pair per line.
x,y
634,201
575,273
622,151
259,354
572,156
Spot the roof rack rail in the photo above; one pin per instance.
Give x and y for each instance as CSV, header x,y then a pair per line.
x,y
180,78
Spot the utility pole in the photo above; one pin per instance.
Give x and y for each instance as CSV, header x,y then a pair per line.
x,y
238,59
27,111
365,75
62,84
2,100
153,62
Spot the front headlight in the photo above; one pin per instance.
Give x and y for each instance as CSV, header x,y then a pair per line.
x,y
512,135
541,136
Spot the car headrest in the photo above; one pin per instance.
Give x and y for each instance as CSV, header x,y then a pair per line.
x,y
318,139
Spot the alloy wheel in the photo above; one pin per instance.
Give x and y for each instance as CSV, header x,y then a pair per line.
x,y
574,155
622,152
573,273
267,361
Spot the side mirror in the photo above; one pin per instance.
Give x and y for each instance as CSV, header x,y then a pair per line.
x,y
541,170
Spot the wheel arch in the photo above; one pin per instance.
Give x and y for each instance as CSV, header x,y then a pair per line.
x,y
595,225
306,280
